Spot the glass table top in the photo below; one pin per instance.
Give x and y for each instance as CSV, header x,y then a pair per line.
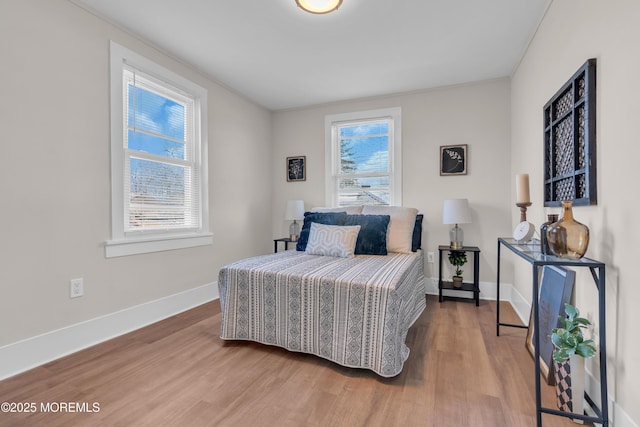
x,y
531,252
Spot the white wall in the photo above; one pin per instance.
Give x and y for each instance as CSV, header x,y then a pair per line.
x,y
572,32
474,114
54,179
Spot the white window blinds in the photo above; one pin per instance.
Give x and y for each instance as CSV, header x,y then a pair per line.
x,y
161,174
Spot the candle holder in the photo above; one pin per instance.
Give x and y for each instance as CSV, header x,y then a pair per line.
x,y
523,210
524,230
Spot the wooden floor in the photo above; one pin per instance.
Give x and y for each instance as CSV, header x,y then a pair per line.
x,y
179,372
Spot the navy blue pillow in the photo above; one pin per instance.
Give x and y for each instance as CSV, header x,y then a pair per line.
x,y
416,241
372,238
326,218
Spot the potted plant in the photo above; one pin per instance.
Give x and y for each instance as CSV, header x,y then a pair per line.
x,y
568,359
457,259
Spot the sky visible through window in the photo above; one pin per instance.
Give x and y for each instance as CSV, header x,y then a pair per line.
x,y
367,145
364,163
156,125
162,118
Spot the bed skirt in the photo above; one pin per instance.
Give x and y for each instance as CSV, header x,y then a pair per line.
x,y
353,311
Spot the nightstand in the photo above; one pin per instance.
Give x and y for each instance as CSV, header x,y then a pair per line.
x,y
286,241
466,286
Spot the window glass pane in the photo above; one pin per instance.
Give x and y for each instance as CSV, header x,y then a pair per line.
x,y
155,145
363,196
156,181
154,113
379,128
157,194
364,151
364,155
366,183
373,182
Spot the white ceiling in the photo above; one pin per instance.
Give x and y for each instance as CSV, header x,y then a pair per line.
x,y
282,57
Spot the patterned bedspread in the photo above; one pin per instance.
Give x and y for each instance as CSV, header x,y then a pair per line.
x,y
353,311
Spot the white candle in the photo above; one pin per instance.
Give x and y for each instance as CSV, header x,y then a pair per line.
x,y
522,188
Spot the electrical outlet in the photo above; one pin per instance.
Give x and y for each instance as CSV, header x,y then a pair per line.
x,y
430,257
76,288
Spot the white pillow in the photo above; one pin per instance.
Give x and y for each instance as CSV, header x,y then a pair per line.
x,y
400,231
332,240
350,210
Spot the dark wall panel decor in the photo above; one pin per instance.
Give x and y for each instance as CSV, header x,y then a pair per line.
x,y
570,141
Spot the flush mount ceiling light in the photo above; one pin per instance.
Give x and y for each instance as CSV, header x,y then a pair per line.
x,y
319,6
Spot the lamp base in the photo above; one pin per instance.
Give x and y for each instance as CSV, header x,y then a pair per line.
x,y
294,231
456,236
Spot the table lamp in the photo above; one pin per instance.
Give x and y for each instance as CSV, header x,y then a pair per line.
x,y
456,211
294,211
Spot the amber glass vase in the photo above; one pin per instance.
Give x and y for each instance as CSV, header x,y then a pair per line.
x,y
568,238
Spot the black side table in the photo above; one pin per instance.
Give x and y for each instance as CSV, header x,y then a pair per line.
x,y
286,241
466,286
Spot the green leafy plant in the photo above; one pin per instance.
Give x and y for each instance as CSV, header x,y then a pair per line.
x,y
458,259
569,340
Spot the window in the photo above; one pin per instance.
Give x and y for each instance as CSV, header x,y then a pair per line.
x,y
158,162
363,158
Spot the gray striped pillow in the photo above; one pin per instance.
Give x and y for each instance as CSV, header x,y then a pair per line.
x,y
332,240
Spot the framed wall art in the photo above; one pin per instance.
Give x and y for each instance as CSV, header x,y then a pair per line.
x,y
570,141
453,159
555,290
296,168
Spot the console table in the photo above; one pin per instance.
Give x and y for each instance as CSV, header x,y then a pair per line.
x,y
530,252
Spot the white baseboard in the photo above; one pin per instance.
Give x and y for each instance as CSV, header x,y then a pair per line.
x,y
32,352
431,286
487,291
620,417
520,305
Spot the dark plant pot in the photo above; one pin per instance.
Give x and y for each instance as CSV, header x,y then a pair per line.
x,y
457,281
569,378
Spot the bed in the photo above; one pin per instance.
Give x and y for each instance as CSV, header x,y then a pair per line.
x,y
354,309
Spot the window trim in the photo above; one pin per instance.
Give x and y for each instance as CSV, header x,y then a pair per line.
x,y
395,151
122,243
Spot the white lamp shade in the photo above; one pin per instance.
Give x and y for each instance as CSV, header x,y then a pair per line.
x,y
456,211
294,210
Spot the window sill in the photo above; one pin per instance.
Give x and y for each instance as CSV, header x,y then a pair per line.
x,y
145,245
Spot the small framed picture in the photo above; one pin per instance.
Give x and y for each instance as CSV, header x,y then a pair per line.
x,y
453,159
296,168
